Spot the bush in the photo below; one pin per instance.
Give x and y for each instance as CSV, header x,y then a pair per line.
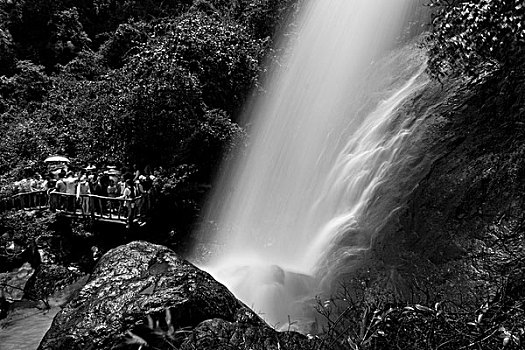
x,y
354,324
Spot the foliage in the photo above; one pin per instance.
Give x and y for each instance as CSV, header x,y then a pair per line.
x,y
263,18
28,85
266,17
86,65
107,15
7,54
67,35
359,324
221,55
45,32
121,43
150,111
19,236
215,137
466,35
177,197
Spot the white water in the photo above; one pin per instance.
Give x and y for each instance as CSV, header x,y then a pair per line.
x,y
323,140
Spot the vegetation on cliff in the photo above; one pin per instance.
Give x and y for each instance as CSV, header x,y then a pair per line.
x,y
469,36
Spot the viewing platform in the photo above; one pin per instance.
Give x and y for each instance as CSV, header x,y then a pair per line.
x,y
88,206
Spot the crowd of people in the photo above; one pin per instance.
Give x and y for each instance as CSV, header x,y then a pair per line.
x,y
92,189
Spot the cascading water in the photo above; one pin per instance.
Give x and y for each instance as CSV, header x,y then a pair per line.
x,y
322,141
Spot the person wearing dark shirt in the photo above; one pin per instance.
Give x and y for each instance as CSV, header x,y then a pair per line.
x,y
59,200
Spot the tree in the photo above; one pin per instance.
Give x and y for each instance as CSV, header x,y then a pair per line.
x,y
28,85
7,54
222,55
67,36
467,35
120,44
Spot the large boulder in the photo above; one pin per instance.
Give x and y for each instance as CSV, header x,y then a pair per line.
x,y
144,295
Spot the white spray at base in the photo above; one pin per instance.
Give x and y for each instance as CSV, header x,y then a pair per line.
x,y
322,140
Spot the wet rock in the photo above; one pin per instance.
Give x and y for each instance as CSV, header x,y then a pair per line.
x,y
17,255
246,332
12,283
142,294
12,287
48,279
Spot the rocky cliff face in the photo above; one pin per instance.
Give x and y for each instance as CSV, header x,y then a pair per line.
x,y
142,294
461,230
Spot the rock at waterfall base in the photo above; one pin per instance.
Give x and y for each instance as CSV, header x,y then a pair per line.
x,y
142,294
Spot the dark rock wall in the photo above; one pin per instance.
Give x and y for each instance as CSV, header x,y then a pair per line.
x,y
463,226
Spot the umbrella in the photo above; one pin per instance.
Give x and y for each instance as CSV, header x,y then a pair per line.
x,y
112,172
56,159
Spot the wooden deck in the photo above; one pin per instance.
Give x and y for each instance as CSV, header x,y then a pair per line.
x,y
88,207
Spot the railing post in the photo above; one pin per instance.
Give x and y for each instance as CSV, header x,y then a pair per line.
x,y
52,201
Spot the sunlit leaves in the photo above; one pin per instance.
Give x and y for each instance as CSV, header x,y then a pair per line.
x,y
469,34
222,55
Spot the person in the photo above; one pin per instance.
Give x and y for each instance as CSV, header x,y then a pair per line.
x,y
83,192
128,195
101,190
139,188
136,172
112,189
121,185
147,170
60,189
24,186
129,190
139,191
71,191
37,199
92,179
49,185
112,193
147,187
51,181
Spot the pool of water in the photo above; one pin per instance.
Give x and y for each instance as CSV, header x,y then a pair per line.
x,y
28,321
24,328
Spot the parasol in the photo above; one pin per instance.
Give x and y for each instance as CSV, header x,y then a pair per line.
x,y
56,159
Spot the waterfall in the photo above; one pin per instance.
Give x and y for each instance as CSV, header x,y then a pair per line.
x,y
323,140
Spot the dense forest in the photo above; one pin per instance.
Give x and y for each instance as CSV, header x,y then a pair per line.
x,y
163,84
157,83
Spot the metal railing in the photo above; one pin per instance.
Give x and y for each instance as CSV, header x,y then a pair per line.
x,y
83,206
99,207
25,200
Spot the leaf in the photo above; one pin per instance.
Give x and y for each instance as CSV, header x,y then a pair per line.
x,y
423,308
